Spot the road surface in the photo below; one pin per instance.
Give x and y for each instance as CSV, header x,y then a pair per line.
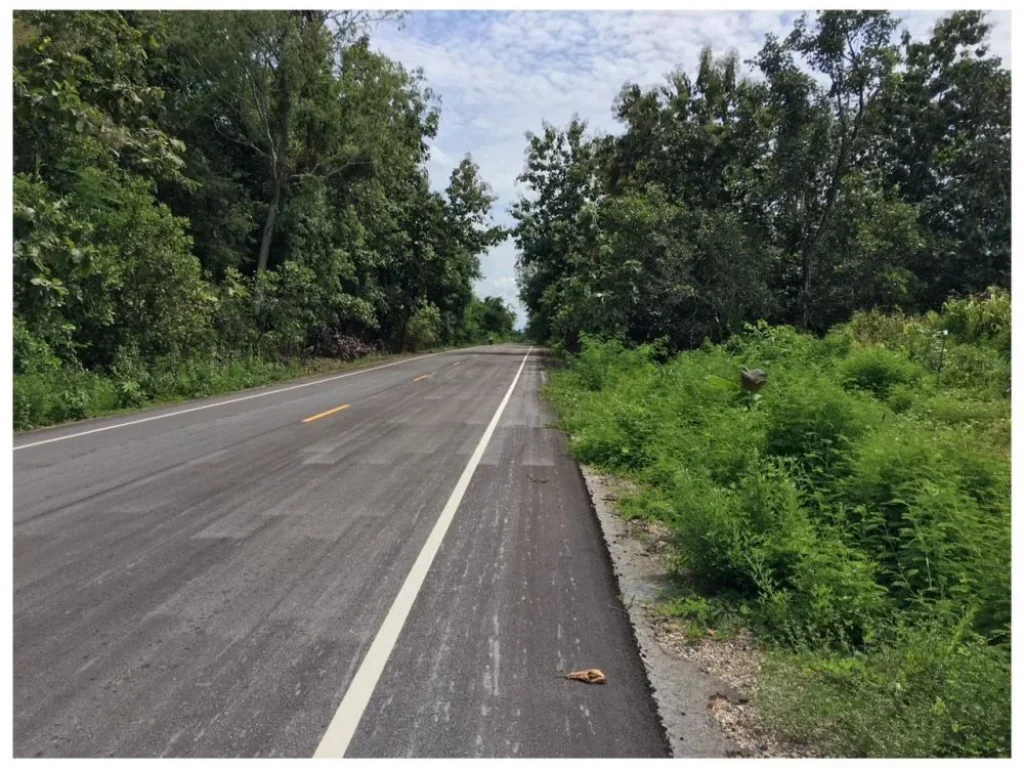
x,y
209,579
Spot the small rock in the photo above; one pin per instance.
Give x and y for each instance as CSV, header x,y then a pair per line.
x,y
753,381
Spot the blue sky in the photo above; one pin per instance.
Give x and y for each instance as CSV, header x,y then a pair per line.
x,y
499,75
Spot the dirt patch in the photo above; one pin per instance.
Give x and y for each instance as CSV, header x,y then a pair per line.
x,y
737,661
704,688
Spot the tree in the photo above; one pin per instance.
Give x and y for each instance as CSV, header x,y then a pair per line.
x,y
191,187
943,142
552,224
854,172
99,265
853,50
264,82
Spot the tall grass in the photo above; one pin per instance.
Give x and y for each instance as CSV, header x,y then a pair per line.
x,y
855,513
54,396
66,394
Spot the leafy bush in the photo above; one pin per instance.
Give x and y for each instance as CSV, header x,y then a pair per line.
x,y
877,370
423,328
763,344
901,398
131,377
877,327
984,320
979,368
600,358
815,421
933,508
955,408
31,353
53,397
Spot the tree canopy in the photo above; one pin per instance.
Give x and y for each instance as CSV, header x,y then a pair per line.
x,y
853,169
203,185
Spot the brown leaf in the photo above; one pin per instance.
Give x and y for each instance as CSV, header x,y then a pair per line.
x,y
595,676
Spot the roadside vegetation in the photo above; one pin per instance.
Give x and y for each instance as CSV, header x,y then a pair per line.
x,y
71,395
212,200
838,217
855,513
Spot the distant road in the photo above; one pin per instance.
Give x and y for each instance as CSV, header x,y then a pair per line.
x,y
370,564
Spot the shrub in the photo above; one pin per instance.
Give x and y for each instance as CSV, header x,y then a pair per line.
x,y
761,541
131,378
42,399
932,510
763,344
984,320
877,327
955,408
600,360
31,401
855,513
815,421
877,370
423,327
901,398
979,368
31,353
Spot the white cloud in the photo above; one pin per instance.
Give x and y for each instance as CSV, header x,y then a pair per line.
x,y
500,75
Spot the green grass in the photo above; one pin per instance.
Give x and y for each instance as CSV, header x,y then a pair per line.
x,y
855,514
66,395
931,691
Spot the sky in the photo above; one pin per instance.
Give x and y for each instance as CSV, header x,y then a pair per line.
x,y
500,75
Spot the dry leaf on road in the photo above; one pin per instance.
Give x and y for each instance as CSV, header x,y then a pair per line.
x,y
595,676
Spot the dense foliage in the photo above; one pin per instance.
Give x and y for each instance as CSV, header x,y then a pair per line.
x,y
201,199
855,512
854,169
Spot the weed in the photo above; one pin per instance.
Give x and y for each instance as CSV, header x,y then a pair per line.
x,y
856,516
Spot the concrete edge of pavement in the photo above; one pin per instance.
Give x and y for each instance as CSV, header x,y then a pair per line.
x,y
681,690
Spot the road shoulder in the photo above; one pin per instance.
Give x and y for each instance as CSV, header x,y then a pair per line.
x,y
685,693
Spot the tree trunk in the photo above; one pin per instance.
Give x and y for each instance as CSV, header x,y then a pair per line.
x,y
805,290
826,218
279,164
401,334
268,228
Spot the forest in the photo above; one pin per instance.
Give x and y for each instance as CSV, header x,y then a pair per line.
x,y
853,168
208,201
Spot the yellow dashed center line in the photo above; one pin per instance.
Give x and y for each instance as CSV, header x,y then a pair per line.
x,y
325,413
421,378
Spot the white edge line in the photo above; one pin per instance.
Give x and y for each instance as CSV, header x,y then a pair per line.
x,y
343,725
233,400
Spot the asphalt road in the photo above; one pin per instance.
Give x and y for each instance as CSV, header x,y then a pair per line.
x,y
209,580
